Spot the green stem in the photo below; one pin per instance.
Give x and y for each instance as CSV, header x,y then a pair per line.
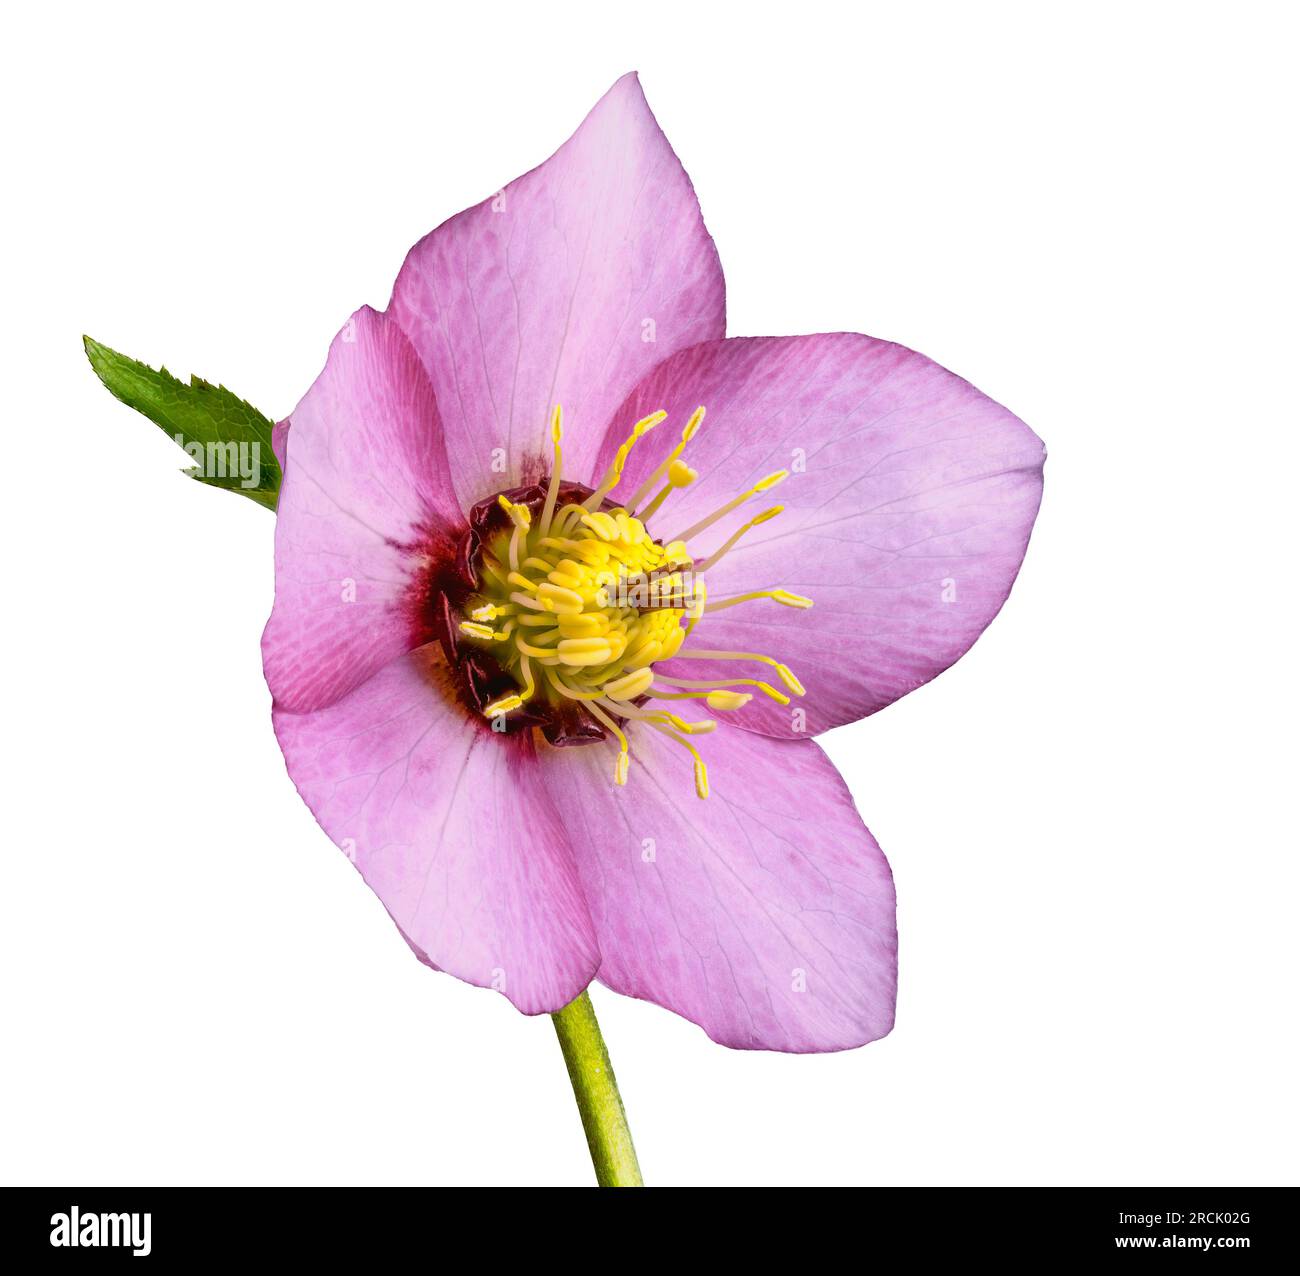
x,y
596,1091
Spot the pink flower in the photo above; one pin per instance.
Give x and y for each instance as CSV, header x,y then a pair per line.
x,y
509,740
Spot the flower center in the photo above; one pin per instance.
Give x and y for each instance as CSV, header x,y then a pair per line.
x,y
578,602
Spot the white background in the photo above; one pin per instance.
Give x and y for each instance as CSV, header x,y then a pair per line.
x,y
1090,212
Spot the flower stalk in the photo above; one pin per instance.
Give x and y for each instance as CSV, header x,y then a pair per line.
x,y
597,1096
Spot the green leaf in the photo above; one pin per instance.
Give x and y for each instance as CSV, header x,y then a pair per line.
x,y
228,440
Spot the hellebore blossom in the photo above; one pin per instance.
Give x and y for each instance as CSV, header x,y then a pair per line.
x,y
470,694
566,581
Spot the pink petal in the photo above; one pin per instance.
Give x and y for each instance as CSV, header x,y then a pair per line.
x,y
765,914
567,286
280,441
907,512
450,826
366,501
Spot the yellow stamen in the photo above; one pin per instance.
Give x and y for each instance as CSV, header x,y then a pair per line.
x,y
630,685
585,651
562,600
475,630
763,485
661,716
656,694
526,671
557,466
679,475
787,676
591,604
522,518
601,524
620,767
781,596
520,515
615,471
722,683
688,433
565,519
701,771
782,671
698,606
713,559
570,693
652,509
